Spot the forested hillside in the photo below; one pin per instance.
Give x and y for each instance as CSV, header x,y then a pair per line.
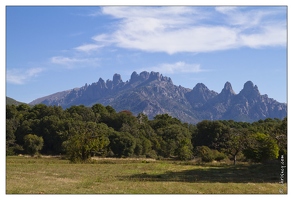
x,y
80,132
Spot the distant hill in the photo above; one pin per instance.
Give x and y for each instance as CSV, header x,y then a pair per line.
x,y
152,94
10,101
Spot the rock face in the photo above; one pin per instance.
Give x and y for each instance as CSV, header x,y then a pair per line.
x,y
152,94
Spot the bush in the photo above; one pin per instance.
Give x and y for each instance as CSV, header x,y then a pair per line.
x,y
184,153
218,156
205,153
152,154
33,144
80,146
208,155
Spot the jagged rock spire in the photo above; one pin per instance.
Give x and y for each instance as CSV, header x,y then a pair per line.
x,y
117,79
249,89
227,90
134,77
200,95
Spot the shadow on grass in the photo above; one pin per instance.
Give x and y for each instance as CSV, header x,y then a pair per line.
x,y
255,173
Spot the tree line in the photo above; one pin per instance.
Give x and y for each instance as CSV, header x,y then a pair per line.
x,y
81,132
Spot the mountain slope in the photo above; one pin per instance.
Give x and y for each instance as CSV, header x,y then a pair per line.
x,y
10,101
152,94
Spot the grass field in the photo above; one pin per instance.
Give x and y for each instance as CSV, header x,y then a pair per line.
x,y
25,175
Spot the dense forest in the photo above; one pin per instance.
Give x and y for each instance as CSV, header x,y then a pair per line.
x,y
81,132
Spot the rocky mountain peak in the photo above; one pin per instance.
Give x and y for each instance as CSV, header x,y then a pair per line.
x,y
155,76
223,100
227,90
117,79
101,80
200,95
102,83
249,89
248,85
134,77
144,75
200,87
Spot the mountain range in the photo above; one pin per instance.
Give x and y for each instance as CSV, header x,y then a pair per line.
x,y
152,93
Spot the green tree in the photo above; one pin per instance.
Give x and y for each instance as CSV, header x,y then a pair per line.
x,y
11,145
50,127
122,144
150,140
236,142
82,113
176,141
184,149
33,144
205,153
213,134
100,111
84,140
163,120
23,107
11,111
280,134
23,128
142,118
12,123
261,147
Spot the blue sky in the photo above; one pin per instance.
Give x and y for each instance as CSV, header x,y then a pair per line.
x,y
51,49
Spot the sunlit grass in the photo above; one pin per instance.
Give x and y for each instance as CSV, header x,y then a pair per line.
x,y
132,176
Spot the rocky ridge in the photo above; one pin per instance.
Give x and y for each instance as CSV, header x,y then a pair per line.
x,y
152,93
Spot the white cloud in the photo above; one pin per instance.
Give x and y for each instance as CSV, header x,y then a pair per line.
x,y
271,36
193,29
178,67
19,76
88,47
225,9
73,62
63,60
245,18
164,12
196,39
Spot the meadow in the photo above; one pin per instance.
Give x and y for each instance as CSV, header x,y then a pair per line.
x,y
52,175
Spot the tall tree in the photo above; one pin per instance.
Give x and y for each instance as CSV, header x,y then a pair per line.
x,y
176,140
33,144
122,144
213,134
236,142
261,147
84,140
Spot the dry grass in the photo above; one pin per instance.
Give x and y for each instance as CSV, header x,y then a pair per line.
x,y
137,176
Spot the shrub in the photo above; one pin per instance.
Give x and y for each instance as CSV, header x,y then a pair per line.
x,y
33,144
205,153
152,154
218,156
